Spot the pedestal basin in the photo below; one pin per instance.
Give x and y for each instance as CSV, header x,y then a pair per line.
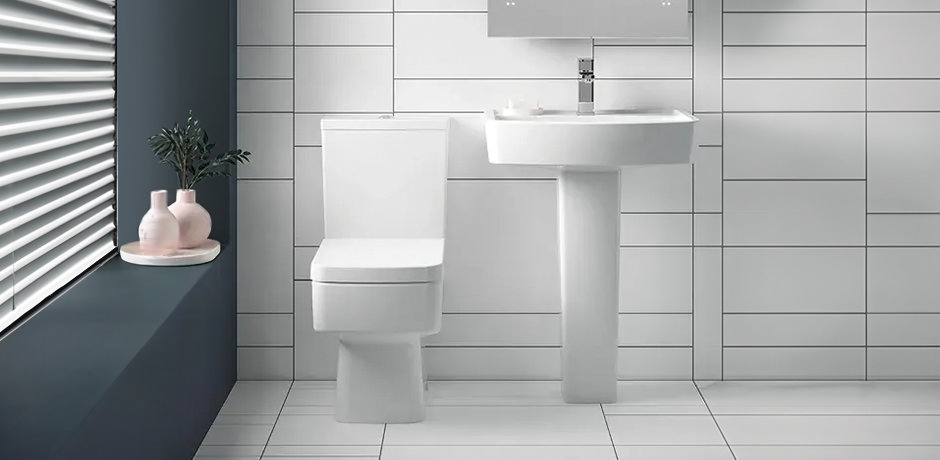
x,y
588,151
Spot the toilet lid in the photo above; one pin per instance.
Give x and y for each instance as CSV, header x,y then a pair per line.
x,y
372,260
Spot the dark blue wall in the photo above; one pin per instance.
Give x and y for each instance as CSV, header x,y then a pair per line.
x,y
173,55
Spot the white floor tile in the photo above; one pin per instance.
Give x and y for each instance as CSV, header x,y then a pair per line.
x,y
229,451
312,394
836,452
832,398
504,425
308,410
831,429
226,457
675,398
318,457
498,453
494,393
322,451
674,453
225,419
323,429
667,430
256,398
237,435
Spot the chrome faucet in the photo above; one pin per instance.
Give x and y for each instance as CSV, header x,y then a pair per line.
x,y
586,86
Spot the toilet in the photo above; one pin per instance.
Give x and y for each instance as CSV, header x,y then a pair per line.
x,y
377,275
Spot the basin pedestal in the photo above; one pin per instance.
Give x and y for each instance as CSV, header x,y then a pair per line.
x,y
589,246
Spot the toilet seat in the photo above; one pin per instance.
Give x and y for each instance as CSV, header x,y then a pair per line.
x,y
378,260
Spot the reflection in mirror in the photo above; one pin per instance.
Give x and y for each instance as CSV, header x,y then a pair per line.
x,y
588,18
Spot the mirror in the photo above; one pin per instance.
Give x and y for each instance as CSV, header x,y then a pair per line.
x,y
588,18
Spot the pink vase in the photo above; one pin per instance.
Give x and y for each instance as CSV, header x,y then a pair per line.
x,y
195,222
158,231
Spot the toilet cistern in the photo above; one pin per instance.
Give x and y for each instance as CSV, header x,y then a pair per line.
x,y
586,86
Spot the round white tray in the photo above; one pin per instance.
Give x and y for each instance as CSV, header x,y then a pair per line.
x,y
201,254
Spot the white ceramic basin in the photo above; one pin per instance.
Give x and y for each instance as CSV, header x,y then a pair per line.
x,y
588,151
604,140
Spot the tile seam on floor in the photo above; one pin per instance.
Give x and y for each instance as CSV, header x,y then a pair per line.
x,y
609,434
714,420
382,443
278,418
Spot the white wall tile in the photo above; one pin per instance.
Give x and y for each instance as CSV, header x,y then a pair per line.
x,y
655,330
264,246
339,29
794,363
908,330
308,196
642,62
903,45
707,56
794,95
794,29
481,95
794,330
904,229
903,5
498,330
796,213
903,95
706,313
655,229
302,258
665,188
460,48
342,5
794,62
708,129
707,230
903,363
707,180
315,353
902,162
903,280
268,136
639,41
265,62
654,363
307,131
794,146
655,280
265,330
440,5
365,86
794,5
629,94
794,280
265,363
265,22
493,363
502,247
265,95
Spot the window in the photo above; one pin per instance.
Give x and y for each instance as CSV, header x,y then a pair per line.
x,y
57,146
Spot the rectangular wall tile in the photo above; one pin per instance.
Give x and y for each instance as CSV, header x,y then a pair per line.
x,y
708,129
655,280
706,313
794,330
265,363
659,330
342,29
707,230
905,330
629,94
498,330
265,62
265,330
365,86
493,363
904,229
268,137
441,5
482,95
903,45
794,95
903,95
656,229
707,54
794,363
904,363
666,188
643,62
794,213
794,5
707,180
903,280
794,29
308,194
315,353
302,258
902,162
265,95
342,5
264,250
794,62
265,22
792,280
903,5
460,48
794,146
654,363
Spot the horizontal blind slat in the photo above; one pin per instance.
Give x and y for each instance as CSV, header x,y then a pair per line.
x,y
21,283
76,10
55,224
56,143
54,122
48,166
56,184
55,204
18,76
42,100
19,21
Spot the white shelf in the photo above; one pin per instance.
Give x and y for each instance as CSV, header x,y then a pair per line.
x,y
201,254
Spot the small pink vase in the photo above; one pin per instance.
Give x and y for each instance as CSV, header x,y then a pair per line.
x,y
158,231
195,222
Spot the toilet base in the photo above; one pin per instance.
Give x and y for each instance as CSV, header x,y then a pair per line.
x,y
379,379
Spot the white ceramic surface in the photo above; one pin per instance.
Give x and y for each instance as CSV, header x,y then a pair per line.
x,y
205,252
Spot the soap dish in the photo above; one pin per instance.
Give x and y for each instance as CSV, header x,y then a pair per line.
x,y
201,254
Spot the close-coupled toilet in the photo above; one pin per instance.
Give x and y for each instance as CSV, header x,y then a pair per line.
x,y
377,275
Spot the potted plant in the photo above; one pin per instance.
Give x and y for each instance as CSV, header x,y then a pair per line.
x,y
188,151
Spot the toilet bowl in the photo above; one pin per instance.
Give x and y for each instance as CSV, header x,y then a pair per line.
x,y
378,273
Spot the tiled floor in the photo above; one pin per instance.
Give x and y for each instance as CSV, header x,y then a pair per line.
x,y
650,421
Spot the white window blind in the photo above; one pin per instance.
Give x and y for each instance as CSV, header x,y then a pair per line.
x,y
57,150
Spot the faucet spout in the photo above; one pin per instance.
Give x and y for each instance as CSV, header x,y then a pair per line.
x,y
586,86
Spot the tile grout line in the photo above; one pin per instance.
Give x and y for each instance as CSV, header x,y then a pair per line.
x,y
609,434
278,418
382,443
709,409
